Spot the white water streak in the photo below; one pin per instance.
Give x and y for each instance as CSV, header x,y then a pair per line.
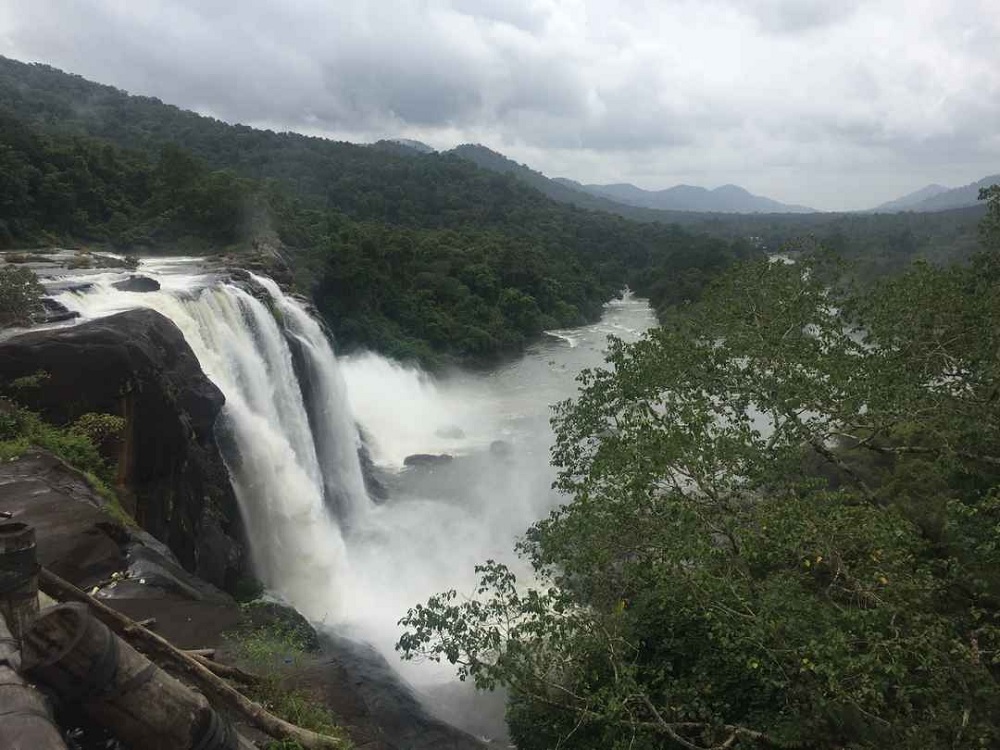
x,y
280,473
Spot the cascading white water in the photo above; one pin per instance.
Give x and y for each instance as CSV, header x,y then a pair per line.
x,y
281,468
334,434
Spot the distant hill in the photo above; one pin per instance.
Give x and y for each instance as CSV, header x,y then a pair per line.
x,y
403,147
727,199
557,190
420,146
626,202
967,195
939,198
492,200
908,201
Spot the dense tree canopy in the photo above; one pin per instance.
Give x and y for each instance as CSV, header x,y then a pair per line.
x,y
86,162
56,187
782,531
419,256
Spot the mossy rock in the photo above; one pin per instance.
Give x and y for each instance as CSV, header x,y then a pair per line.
x,y
282,620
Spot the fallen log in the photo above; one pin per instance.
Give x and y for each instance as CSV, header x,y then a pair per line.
x,y
226,671
18,577
215,688
84,664
25,715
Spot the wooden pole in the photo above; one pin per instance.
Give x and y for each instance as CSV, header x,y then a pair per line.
x,y
218,690
226,671
85,664
25,715
18,577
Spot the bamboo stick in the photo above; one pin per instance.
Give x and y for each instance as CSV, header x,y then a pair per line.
x,y
214,687
18,577
79,659
25,716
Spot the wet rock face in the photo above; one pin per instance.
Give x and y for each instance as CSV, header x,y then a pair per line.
x,y
428,459
383,711
137,284
80,542
374,485
55,312
137,365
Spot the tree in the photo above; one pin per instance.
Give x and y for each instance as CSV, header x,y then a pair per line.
x,y
989,228
20,295
782,531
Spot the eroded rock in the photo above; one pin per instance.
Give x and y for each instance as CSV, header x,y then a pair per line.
x,y
137,365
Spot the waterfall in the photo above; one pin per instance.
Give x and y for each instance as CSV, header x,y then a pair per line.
x,y
286,432
334,433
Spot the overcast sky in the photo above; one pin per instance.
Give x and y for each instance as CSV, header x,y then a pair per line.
x,y
838,104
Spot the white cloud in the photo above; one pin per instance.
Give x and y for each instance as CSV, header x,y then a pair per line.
x,y
840,105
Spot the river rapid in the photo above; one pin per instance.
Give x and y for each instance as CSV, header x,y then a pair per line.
x,y
440,520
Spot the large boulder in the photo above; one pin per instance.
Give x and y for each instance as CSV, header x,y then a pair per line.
x,y
137,284
137,365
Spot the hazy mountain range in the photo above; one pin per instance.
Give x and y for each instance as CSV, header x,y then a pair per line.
x,y
938,197
680,200
729,199
685,198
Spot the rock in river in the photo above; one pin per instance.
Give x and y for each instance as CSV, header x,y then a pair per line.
x,y
427,459
137,284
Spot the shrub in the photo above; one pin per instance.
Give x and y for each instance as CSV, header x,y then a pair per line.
x,y
29,381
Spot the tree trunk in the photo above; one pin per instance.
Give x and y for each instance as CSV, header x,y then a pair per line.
x,y
25,716
85,664
219,691
18,577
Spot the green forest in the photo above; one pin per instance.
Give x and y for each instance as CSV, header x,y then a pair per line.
x,y
424,256
428,258
780,529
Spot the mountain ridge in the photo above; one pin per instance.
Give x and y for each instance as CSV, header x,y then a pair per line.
x,y
728,198
938,197
683,201
911,199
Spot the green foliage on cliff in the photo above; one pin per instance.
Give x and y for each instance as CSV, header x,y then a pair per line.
x,y
476,292
782,530
81,444
78,444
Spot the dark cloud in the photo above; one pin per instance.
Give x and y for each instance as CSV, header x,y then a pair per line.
x,y
791,16
792,98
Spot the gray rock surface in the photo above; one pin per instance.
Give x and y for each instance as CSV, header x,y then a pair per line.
x,y
138,366
137,284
